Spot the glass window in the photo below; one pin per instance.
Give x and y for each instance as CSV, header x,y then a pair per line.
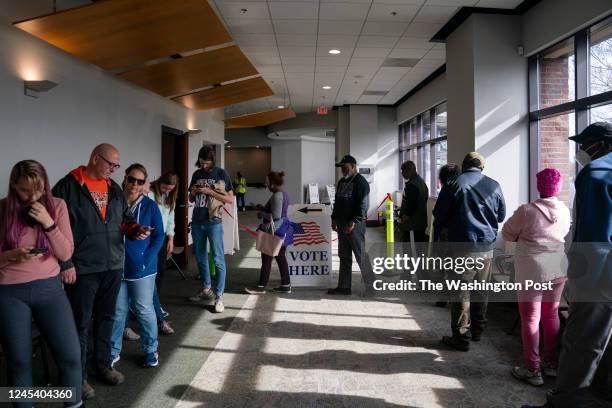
x,y
558,152
441,160
556,75
441,130
425,169
426,124
601,58
602,114
413,131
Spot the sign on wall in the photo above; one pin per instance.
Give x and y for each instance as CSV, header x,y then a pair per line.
x,y
310,256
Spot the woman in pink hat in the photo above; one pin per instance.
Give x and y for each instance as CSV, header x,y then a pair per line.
x,y
539,229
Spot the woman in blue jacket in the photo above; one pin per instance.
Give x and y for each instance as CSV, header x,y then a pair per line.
x,y
140,268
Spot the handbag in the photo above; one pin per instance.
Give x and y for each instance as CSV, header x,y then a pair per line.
x,y
267,243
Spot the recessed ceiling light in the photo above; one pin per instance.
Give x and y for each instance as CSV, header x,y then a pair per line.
x,y
326,87
280,106
257,147
335,52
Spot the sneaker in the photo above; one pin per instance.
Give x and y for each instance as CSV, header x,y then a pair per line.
x,y
110,375
283,289
202,295
549,369
115,360
87,391
151,360
219,308
528,376
131,335
165,328
339,291
257,290
456,343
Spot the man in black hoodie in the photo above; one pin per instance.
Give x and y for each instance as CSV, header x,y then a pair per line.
x,y
349,220
100,219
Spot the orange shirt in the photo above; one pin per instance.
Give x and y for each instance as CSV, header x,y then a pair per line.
x,y
99,193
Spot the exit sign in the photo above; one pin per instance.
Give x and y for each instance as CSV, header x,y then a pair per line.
x,y
322,110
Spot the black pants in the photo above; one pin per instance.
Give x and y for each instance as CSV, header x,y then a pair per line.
x,y
419,236
95,296
44,301
161,265
240,200
266,266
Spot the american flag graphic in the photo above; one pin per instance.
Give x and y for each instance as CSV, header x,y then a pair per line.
x,y
307,233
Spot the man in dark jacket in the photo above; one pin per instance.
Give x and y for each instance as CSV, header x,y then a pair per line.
x,y
470,207
413,212
349,220
589,326
100,218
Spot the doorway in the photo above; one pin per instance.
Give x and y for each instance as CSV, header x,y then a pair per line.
x,y
175,158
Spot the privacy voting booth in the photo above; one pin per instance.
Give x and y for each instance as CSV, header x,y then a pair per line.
x,y
310,256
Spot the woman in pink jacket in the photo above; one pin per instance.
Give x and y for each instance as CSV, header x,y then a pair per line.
x,y
539,228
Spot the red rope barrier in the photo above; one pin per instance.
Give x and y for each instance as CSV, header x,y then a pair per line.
x,y
244,227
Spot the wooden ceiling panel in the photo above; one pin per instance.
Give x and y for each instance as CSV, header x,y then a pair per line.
x,y
180,76
259,118
225,95
120,33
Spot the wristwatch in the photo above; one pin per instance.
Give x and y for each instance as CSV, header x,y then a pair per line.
x,y
51,228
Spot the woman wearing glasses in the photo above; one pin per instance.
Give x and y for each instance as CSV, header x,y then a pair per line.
x,y
138,282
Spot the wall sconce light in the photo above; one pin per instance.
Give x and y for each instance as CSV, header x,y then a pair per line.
x,y
192,132
33,88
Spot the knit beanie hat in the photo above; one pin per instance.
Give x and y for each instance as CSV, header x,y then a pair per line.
x,y
549,182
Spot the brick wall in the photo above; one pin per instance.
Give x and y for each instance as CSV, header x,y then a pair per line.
x,y
554,146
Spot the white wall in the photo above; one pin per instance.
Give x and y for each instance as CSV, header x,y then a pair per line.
x,y
88,107
387,175
431,95
287,157
552,20
318,163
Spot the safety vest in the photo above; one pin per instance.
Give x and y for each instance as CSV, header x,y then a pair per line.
x,y
240,184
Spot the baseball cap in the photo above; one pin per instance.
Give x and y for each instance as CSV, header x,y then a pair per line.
x,y
348,159
594,132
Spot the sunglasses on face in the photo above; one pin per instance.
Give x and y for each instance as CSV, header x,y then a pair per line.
x,y
134,180
112,165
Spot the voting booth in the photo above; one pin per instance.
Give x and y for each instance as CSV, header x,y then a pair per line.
x,y
310,255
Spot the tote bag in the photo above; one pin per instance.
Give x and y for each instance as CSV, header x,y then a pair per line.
x,y
267,243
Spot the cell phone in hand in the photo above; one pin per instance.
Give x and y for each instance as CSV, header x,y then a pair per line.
x,y
38,250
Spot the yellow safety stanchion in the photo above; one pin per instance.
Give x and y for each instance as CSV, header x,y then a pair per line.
x,y
390,227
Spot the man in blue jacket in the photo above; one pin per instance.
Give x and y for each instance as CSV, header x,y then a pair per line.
x,y
589,326
470,207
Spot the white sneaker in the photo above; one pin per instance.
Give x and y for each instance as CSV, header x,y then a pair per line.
x,y
528,376
219,308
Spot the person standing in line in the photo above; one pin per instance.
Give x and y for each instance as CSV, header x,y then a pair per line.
x,y
349,221
100,220
210,189
539,228
274,214
34,235
413,212
240,186
471,208
582,369
164,192
138,283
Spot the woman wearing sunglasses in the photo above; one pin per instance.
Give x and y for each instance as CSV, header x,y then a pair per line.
x,y
138,282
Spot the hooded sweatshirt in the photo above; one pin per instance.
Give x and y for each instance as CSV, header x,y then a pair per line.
x,y
141,256
539,228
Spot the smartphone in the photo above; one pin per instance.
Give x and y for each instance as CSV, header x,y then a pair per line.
x,y
38,250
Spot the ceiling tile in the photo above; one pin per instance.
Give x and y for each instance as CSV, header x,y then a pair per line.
x,y
436,54
456,3
297,51
231,10
508,4
422,30
329,69
380,86
336,60
269,69
254,39
250,26
333,40
429,63
339,27
435,14
261,59
295,26
298,69
369,99
407,53
385,12
410,2
371,52
384,28
294,10
377,41
298,61
296,40
341,11
414,43
366,62
395,73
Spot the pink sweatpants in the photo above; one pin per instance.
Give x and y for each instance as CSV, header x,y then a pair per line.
x,y
535,307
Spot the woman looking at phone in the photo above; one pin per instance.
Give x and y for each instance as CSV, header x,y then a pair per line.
x,y
35,234
138,282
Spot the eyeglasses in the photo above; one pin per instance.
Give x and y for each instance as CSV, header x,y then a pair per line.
x,y
134,180
113,166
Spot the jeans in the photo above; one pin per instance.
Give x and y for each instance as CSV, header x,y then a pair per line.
x,y
161,270
45,301
138,294
533,308
213,232
95,295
